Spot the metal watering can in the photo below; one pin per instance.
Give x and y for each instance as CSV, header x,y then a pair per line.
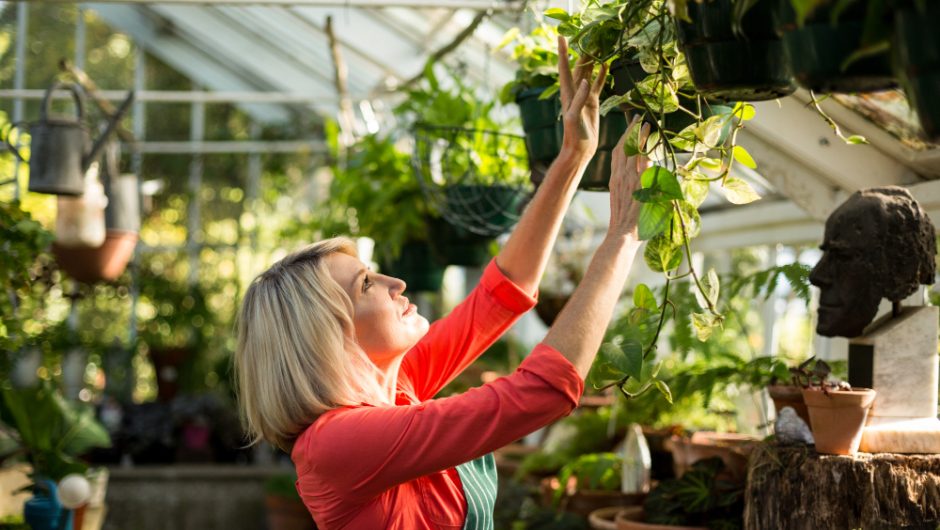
x,y
61,147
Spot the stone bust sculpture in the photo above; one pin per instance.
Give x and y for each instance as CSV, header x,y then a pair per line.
x,y
878,244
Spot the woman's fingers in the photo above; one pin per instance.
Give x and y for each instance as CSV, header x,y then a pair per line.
x,y
577,103
564,72
599,81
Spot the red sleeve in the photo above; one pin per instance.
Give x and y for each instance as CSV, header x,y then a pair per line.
x,y
456,340
364,451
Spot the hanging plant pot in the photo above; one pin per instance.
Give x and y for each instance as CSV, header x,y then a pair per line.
x,y
838,417
916,44
490,210
819,50
455,245
415,265
749,67
97,264
123,210
540,118
625,74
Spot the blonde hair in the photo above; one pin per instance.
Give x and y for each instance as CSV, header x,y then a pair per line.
x,y
297,355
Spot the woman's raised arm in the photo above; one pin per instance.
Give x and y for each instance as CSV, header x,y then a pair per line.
x,y
525,255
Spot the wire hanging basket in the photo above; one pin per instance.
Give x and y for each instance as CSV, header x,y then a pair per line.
x,y
477,180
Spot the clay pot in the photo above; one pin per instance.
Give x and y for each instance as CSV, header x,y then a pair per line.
x,y
789,396
838,417
733,449
95,264
604,518
583,502
632,519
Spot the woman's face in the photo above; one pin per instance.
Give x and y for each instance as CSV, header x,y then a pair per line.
x,y
387,324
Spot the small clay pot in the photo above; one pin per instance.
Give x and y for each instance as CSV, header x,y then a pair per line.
x,y
789,396
604,518
95,264
838,417
632,519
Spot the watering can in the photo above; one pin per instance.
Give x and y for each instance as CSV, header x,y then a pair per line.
x,y
62,149
45,512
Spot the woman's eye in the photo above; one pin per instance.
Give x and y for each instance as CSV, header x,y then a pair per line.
x,y
366,283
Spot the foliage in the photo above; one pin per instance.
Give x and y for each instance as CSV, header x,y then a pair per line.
x,y
374,194
816,377
589,433
698,498
282,485
535,517
25,270
52,432
462,134
593,471
536,56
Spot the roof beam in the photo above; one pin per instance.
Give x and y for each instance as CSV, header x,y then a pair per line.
x,y
802,135
505,5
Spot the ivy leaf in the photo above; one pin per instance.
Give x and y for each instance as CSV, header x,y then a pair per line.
x,y
633,356
738,191
607,366
704,324
661,97
508,37
686,138
688,216
856,139
742,156
664,390
557,13
663,182
662,254
710,163
631,145
654,217
710,284
709,132
695,188
743,111
643,298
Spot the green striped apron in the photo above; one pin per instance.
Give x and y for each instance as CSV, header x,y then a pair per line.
x,y
479,487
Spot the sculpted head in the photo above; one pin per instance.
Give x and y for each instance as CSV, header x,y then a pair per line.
x,y
878,244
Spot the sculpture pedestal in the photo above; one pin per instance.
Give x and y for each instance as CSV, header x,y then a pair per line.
x,y
898,358
797,489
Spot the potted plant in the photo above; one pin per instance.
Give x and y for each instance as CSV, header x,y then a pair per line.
x,y
175,324
697,500
473,174
284,509
51,434
837,411
535,90
838,47
916,47
374,194
590,482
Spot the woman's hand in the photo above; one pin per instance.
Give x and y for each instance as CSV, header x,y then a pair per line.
x,y
579,103
625,175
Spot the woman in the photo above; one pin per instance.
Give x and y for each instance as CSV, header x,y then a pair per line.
x,y
336,367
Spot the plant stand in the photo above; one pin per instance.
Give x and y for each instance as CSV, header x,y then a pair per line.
x,y
795,488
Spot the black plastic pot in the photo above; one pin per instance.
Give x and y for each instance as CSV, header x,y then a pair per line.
x,y
540,120
597,175
916,45
819,49
415,265
625,74
454,245
489,211
723,65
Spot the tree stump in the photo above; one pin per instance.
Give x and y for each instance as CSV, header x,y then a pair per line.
x,y
795,488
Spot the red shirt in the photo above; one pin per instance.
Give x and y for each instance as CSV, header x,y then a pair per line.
x,y
392,467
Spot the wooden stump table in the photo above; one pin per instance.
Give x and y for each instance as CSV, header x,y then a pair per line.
x,y
795,488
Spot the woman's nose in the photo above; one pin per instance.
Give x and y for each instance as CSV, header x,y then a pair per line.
x,y
396,285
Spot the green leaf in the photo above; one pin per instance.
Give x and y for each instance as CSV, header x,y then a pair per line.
x,y
704,324
742,156
660,97
856,139
744,111
688,216
613,103
508,37
557,13
710,163
633,355
654,217
695,189
643,298
664,390
661,254
709,298
738,191
631,145
663,181
709,131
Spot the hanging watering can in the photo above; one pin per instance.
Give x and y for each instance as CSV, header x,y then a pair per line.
x,y
61,147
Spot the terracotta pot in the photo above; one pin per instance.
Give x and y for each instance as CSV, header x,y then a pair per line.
x,y
603,518
95,264
789,396
287,514
632,519
583,502
733,449
837,418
